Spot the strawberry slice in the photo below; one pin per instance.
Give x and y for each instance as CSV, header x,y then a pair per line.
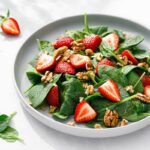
x,y
112,39
104,62
130,57
45,62
147,90
110,90
79,61
53,96
146,80
92,42
10,26
64,41
84,112
64,67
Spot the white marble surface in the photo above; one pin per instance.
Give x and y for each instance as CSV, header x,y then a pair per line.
x,y
33,14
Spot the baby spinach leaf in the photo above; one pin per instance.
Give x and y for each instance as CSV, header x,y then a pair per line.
x,y
108,72
142,55
120,34
38,93
72,92
132,79
69,76
44,45
5,121
33,62
133,41
99,30
10,134
136,117
33,75
126,69
93,96
76,35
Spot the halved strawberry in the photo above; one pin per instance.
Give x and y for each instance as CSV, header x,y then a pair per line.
x,y
104,62
45,62
130,57
110,90
84,112
63,41
146,80
78,60
64,67
112,39
53,96
92,41
147,90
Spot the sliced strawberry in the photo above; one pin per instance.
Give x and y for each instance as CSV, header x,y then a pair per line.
x,y
64,67
45,62
92,42
79,61
110,90
104,62
130,57
112,39
53,96
147,90
84,112
64,41
146,80
10,26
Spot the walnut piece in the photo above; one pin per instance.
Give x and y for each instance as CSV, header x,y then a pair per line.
x,y
52,109
89,52
143,97
129,89
47,77
89,90
124,122
89,65
82,76
97,126
111,118
78,45
99,57
60,51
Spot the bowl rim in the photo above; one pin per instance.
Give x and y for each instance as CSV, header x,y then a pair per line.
x,y
60,124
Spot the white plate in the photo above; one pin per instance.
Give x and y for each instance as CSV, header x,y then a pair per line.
x,y
51,32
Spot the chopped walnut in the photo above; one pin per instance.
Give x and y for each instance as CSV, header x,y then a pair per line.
x,y
52,108
47,77
97,126
111,118
78,45
71,123
143,97
143,64
82,76
65,56
125,60
85,85
99,57
89,90
89,52
60,51
124,122
129,89
89,65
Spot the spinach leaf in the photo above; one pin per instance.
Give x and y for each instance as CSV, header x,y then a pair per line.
x,y
120,34
33,75
142,55
99,30
76,35
108,72
128,43
33,62
136,117
45,46
126,69
93,96
10,134
38,93
69,76
5,121
73,90
132,79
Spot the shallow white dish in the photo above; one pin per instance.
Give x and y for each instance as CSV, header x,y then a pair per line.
x,y
51,32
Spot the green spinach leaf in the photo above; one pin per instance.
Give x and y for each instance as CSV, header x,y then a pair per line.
x,y
76,35
99,30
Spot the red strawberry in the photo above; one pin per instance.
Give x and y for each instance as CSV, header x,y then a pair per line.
x,y
146,80
79,61
110,90
104,62
130,57
92,42
147,90
45,62
112,39
10,26
64,41
64,67
84,112
53,96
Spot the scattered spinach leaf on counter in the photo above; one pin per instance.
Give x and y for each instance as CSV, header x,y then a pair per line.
x,y
38,93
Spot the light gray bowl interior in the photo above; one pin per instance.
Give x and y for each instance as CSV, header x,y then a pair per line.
x,y
55,29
